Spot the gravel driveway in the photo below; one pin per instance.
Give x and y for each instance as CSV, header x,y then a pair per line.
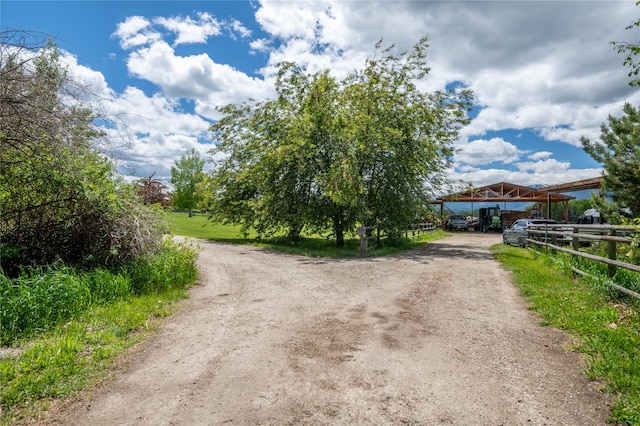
x,y
434,336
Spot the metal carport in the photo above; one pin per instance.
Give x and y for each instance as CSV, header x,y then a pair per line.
x,y
507,192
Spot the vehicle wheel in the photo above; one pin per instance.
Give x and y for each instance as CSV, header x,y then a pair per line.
x,y
504,239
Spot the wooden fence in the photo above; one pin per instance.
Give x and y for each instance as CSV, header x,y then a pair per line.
x,y
412,231
560,237
417,230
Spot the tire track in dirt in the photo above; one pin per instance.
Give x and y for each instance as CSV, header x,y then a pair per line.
x,y
434,336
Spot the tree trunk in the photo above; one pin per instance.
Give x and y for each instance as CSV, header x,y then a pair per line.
x,y
294,232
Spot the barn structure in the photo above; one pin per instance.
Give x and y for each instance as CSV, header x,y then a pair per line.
x,y
504,192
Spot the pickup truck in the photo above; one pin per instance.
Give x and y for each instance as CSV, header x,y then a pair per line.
x,y
457,222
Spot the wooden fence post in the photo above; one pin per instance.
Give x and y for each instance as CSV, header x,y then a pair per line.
x,y
575,242
611,254
554,239
362,232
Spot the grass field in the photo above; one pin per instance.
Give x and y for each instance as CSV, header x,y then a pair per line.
x,y
198,226
62,328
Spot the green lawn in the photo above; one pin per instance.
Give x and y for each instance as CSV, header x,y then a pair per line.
x,y
198,226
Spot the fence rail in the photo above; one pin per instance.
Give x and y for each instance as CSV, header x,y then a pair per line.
x,y
418,229
556,237
411,231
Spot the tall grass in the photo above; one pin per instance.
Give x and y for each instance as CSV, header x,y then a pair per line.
x,y
172,267
61,327
41,298
597,275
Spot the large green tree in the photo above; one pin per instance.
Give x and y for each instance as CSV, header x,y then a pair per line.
x,y
619,152
60,198
186,175
328,154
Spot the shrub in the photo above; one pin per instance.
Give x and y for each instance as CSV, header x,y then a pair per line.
x,y
61,198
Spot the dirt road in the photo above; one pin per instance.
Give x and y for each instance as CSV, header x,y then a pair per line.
x,y
434,336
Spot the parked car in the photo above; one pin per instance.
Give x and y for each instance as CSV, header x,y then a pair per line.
x,y
520,227
590,217
457,222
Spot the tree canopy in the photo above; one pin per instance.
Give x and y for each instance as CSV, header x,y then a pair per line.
x,y
619,152
186,175
326,155
619,149
153,191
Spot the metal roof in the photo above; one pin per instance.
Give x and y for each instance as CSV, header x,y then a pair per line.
x,y
579,185
504,191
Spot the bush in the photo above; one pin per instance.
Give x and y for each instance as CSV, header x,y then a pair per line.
x,y
61,198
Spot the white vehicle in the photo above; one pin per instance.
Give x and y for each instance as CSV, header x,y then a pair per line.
x,y
520,228
591,216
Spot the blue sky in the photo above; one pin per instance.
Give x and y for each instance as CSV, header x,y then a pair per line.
x,y
543,72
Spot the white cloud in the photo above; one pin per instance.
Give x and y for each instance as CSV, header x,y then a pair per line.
x,y
92,80
529,176
317,35
191,30
195,77
156,153
549,165
156,114
541,155
131,27
135,31
290,19
239,28
531,65
544,67
261,45
481,152
149,133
